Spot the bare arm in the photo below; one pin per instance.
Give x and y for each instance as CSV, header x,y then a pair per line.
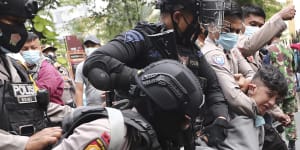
x,y
79,93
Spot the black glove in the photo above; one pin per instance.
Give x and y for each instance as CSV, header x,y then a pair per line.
x,y
216,132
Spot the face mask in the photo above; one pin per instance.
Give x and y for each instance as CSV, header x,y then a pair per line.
x,y
250,30
227,40
12,37
189,36
31,56
89,50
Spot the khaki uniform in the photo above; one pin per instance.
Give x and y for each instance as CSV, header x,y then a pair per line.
x,y
225,65
94,135
249,46
56,112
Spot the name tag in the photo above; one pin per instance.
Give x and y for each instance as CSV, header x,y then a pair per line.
x,y
24,93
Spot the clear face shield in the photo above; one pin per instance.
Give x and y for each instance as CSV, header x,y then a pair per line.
x,y
211,15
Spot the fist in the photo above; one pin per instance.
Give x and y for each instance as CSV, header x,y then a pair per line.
x,y
288,13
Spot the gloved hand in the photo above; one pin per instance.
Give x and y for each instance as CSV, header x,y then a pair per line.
x,y
216,132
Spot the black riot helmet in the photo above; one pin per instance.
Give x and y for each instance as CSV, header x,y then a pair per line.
x,y
24,9
204,12
171,86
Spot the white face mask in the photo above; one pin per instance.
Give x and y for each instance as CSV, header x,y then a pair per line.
x,y
250,30
89,50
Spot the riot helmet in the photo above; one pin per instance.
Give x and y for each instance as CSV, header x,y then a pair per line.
x,y
204,12
23,9
13,35
168,92
171,86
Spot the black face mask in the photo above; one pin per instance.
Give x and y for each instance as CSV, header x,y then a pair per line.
x,y
12,37
188,37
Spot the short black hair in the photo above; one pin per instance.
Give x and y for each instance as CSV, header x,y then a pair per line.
x,y
252,9
273,79
31,37
233,9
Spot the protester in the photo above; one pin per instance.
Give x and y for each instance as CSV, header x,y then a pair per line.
x,y
93,96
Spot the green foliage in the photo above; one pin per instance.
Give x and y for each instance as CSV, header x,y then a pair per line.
x,y
270,6
117,17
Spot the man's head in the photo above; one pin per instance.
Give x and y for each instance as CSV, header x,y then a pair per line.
x,y
31,50
232,25
91,43
13,14
49,51
253,15
267,87
186,16
169,97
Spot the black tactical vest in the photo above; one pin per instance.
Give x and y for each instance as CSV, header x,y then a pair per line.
x,y
20,113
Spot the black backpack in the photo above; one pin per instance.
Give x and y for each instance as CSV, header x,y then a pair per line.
x,y
273,141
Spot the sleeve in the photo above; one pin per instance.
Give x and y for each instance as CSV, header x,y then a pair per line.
x,y
237,100
111,57
215,100
57,112
12,142
243,65
50,79
249,45
79,74
91,135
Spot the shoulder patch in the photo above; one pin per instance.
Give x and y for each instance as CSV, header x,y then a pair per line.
x,y
199,53
96,144
133,36
218,59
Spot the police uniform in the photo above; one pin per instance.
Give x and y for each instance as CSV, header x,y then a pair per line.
x,y
249,46
90,128
17,76
225,65
135,49
91,136
10,141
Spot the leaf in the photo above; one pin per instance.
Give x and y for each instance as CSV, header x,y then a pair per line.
x,y
38,27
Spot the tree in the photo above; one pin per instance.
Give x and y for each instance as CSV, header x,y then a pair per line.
x,y
270,6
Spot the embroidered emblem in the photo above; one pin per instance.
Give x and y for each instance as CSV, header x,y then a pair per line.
x,y
96,144
133,36
219,59
106,138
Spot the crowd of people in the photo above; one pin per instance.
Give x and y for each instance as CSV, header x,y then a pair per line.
x,y
210,75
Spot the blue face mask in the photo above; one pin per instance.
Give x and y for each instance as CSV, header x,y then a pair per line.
x,y
90,50
250,30
31,57
227,40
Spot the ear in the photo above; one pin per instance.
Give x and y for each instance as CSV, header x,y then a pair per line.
x,y
251,88
176,16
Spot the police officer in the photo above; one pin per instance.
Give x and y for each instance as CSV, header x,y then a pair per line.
x,y
168,97
227,61
112,66
21,111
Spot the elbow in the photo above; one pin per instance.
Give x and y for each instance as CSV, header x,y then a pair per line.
x,y
99,79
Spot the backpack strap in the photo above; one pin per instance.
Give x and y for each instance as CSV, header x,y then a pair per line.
x,y
144,130
117,128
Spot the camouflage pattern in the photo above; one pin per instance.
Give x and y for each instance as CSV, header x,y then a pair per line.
x,y
282,57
